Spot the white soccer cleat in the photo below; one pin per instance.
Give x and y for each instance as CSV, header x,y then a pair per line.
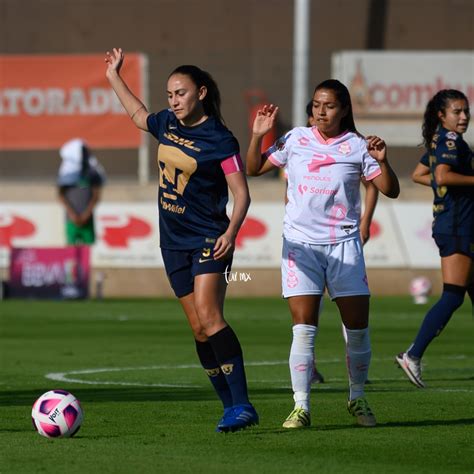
x,y
411,367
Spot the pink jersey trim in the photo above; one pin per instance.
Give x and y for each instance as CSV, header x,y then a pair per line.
x,y
274,161
233,164
322,140
373,175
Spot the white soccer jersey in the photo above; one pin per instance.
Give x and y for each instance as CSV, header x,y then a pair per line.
x,y
323,183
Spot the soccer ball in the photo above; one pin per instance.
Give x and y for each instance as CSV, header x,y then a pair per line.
x,y
57,414
420,289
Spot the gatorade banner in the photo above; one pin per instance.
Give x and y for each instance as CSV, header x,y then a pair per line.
x,y
58,273
46,100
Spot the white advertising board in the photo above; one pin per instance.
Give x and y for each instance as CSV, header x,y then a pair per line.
x,y
390,89
127,234
385,247
414,220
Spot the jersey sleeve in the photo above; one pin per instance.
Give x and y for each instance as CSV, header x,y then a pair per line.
x,y
425,159
278,153
447,151
370,167
155,123
228,147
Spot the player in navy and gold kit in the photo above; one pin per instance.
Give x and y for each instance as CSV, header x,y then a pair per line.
x,y
448,166
198,160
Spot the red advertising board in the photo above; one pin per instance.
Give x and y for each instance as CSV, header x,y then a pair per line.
x,y
46,100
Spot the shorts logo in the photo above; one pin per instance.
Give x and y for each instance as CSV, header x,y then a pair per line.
x,y
213,372
227,368
292,280
206,253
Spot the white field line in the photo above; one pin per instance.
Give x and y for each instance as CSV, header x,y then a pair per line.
x,y
66,376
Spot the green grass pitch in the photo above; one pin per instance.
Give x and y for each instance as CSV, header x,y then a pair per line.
x,y
150,409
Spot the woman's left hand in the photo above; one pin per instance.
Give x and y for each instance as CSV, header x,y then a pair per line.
x,y
224,247
377,148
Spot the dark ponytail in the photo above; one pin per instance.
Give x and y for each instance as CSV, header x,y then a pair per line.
x,y
438,103
212,101
342,94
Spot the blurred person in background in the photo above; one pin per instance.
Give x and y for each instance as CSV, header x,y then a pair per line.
x,y
322,245
80,180
199,161
448,167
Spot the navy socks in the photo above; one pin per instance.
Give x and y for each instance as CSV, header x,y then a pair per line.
x,y
437,318
228,353
214,372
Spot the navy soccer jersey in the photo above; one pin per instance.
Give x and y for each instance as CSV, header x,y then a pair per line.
x,y
453,206
193,191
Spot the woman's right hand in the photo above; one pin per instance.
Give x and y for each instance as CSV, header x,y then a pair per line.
x,y
264,120
114,60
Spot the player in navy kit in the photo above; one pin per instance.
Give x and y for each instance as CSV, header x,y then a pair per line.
x,y
198,159
450,164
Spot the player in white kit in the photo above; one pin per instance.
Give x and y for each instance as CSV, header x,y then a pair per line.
x,y
321,237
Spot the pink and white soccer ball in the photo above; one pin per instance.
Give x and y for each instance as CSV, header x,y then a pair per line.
x,y
57,414
420,289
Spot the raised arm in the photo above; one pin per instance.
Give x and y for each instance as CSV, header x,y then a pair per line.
x,y
134,106
256,163
386,182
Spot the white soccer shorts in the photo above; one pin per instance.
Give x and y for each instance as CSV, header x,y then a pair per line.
x,y
306,269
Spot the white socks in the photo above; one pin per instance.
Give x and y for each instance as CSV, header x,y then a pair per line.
x,y
302,362
358,354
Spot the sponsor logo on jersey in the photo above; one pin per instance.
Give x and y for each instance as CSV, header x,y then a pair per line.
x,y
452,135
450,144
318,161
177,209
347,228
181,141
317,178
